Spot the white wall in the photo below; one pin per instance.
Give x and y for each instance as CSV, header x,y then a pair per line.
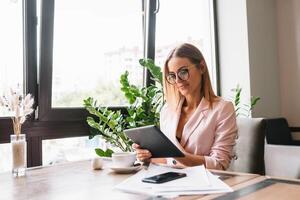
x,y
248,52
288,18
263,58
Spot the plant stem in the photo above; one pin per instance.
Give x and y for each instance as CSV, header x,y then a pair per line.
x,y
16,126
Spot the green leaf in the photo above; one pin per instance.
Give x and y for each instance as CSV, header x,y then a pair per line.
x,y
245,107
154,70
92,123
103,153
254,101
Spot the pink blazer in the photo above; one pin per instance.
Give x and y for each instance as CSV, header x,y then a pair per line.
x,y
209,132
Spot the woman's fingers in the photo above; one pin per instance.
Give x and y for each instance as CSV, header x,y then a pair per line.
x,y
143,154
143,158
135,146
142,151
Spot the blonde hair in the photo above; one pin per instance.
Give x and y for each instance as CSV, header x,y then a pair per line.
x,y
171,94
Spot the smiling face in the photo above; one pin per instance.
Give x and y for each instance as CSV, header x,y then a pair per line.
x,y
187,76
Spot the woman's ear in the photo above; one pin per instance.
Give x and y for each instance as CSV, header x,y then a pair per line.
x,y
202,65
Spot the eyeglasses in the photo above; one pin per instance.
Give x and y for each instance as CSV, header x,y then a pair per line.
x,y
182,74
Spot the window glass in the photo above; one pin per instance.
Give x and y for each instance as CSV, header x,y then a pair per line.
x,y
70,149
11,47
187,21
94,43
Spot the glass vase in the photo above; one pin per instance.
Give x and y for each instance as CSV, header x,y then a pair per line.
x,y
18,144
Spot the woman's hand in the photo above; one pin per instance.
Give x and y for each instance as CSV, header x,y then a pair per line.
x,y
143,155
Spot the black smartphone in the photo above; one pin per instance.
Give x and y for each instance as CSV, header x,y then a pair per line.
x,y
165,177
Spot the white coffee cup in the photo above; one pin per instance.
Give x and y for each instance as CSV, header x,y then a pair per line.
x,y
123,159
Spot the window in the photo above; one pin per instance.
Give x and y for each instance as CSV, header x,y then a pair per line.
x,y
94,43
63,51
186,22
11,48
69,149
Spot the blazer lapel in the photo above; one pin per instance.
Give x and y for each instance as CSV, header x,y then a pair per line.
x,y
194,121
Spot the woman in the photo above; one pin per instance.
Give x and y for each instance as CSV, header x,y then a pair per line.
x,y
200,123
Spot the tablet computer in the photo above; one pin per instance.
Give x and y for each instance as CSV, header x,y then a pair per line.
x,y
151,138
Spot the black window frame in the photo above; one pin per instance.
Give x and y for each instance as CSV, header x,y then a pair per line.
x,y
53,123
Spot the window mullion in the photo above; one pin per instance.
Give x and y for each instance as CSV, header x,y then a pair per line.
x,y
150,36
30,50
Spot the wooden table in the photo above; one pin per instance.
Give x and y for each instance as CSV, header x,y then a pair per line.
x,y
76,180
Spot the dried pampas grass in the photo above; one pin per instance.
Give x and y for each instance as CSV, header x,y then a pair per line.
x,y
19,106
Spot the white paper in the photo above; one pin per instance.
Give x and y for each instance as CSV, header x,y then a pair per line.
x,y
195,175
217,186
197,181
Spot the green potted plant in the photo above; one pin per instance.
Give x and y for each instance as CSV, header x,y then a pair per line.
x,y
244,109
144,107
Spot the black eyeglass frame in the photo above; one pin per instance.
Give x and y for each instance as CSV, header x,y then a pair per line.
x,y
178,76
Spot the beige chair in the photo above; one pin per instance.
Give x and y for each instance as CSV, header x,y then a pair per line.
x,y
249,146
282,153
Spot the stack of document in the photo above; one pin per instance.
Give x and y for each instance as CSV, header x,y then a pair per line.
x,y
198,181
